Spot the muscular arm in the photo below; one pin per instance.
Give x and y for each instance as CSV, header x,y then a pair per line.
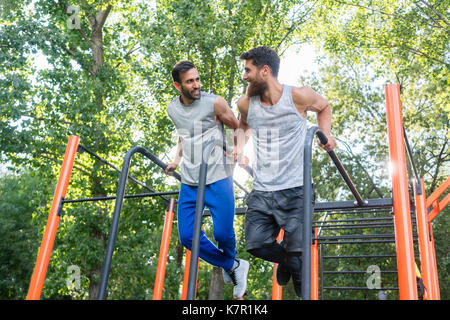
x,y
172,166
306,99
224,114
244,132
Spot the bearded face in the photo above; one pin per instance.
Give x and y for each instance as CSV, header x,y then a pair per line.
x,y
192,94
256,87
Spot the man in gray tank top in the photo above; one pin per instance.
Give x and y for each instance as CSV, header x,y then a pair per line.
x,y
275,116
198,118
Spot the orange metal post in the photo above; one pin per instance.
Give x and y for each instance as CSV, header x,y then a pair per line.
x,y
403,229
437,193
187,263
45,251
425,244
277,290
438,207
163,252
435,288
314,269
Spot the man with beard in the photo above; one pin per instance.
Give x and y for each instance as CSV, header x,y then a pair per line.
x,y
276,115
198,117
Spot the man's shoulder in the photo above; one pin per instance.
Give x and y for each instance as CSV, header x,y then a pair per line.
x,y
243,103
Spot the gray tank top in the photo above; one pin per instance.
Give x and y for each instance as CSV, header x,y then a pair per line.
x,y
278,135
196,125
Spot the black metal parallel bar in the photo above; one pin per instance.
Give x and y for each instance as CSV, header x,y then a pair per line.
x,y
323,139
359,236
352,226
82,148
362,256
307,213
308,209
349,204
195,249
117,208
359,242
362,236
411,160
334,222
358,272
362,288
129,196
356,242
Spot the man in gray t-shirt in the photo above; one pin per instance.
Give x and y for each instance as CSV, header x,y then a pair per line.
x,y
198,118
275,115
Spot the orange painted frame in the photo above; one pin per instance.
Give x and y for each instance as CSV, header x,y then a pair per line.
x,y
407,282
187,263
315,269
45,251
163,252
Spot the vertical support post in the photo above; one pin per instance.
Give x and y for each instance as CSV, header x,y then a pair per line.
x,y
195,250
403,229
45,251
425,244
435,279
321,271
277,290
187,263
163,252
314,269
307,214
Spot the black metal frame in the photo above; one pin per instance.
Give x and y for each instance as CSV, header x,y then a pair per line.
x,y
195,249
118,208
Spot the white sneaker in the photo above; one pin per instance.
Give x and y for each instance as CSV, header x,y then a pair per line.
x,y
238,276
226,277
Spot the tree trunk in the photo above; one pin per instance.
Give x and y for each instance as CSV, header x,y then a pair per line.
x,y
216,284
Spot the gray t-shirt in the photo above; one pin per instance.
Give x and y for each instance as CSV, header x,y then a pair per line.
x,y
278,135
196,125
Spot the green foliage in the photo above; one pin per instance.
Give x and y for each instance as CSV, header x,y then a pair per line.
x,y
102,71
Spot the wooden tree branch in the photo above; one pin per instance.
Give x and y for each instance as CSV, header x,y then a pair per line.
x,y
82,64
127,54
435,12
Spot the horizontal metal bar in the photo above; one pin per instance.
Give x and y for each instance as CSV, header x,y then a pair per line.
x,y
357,272
357,220
359,226
358,236
130,196
360,241
364,256
349,204
359,288
356,242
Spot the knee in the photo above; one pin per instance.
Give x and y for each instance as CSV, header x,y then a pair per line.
x,y
186,239
257,252
222,236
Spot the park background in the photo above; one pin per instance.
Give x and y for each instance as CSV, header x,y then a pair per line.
x,y
101,70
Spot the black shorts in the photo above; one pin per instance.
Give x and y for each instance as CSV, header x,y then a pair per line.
x,y
268,211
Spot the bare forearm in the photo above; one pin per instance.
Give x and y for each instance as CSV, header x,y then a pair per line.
x,y
179,153
324,120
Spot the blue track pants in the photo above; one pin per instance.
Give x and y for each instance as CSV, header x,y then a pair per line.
x,y
219,198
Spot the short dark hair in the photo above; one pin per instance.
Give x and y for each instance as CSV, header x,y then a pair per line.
x,y
181,67
263,56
